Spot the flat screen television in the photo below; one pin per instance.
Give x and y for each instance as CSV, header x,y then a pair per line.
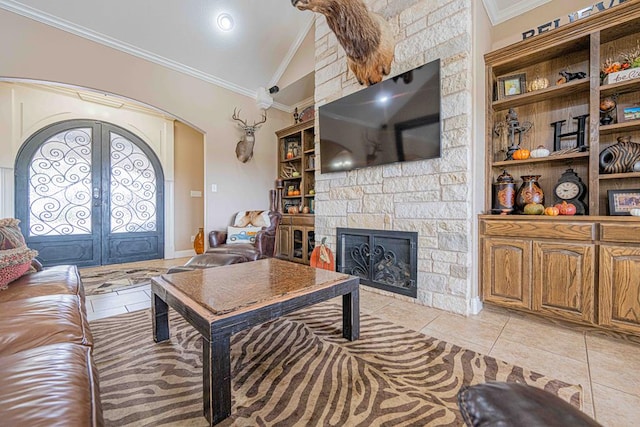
x,y
397,120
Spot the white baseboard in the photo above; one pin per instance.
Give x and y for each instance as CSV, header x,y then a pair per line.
x,y
182,254
475,305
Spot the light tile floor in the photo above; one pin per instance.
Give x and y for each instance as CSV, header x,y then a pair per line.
x,y
608,369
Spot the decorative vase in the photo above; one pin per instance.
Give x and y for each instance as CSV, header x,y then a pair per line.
x,y
529,192
620,157
504,193
198,242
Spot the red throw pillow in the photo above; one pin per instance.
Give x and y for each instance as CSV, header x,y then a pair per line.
x,y
13,272
14,263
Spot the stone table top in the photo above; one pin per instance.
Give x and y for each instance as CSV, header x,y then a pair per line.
x,y
226,289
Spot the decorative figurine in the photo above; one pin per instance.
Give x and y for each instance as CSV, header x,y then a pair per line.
x,y
567,76
557,135
512,126
607,106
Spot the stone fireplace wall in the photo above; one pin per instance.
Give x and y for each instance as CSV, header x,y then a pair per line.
x,y
431,197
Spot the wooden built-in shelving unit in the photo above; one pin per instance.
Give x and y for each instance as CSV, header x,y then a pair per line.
x,y
584,269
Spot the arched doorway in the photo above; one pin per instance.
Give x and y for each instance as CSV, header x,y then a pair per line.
x,y
90,193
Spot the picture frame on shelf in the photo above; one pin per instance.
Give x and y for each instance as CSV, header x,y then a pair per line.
x,y
622,201
628,112
511,85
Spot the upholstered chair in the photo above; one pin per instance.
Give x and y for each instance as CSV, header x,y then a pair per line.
x,y
252,235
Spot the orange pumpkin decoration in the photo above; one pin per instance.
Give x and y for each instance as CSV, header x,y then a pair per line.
x,y
322,257
521,154
552,211
566,208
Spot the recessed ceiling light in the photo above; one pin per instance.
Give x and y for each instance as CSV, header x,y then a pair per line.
x,y
225,22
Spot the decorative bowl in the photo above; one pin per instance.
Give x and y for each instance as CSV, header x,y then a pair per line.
x,y
635,211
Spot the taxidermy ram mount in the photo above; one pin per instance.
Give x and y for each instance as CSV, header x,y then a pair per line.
x,y
365,36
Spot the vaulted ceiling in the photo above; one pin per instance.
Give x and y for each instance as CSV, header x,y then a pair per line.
x,y
183,35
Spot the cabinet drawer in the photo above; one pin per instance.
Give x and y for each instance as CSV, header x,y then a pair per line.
x,y
620,232
541,229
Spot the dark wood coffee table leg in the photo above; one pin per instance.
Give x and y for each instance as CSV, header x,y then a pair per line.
x,y
216,377
160,318
351,315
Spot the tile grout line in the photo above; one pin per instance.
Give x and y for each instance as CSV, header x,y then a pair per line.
x,y
500,334
593,397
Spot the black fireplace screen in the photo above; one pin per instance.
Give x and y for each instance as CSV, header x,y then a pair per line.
x,y
382,259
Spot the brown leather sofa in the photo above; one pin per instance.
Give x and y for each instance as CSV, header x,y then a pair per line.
x,y
48,372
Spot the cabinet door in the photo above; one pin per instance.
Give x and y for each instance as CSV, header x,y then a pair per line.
x,y
506,272
563,280
620,288
310,236
298,244
284,241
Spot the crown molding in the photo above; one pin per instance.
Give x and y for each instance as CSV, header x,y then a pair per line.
x,y
306,102
282,107
500,15
292,51
78,30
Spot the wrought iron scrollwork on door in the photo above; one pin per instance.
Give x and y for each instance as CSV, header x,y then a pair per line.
x,y
133,188
60,185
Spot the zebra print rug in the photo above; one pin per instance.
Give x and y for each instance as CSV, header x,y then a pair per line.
x,y
295,371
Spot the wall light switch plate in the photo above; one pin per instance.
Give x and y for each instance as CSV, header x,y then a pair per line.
x,y
196,193
214,188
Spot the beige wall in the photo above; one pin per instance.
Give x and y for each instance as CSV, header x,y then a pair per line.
x,y
189,167
511,31
302,63
43,53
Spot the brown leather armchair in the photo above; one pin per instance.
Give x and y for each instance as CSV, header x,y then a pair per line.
x,y
264,245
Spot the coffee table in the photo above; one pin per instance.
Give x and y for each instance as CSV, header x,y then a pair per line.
x,y
221,301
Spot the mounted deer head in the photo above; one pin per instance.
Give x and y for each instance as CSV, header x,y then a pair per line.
x,y
365,36
244,148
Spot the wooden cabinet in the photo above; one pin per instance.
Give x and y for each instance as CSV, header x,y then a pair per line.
x,y
581,269
296,238
297,165
620,288
534,271
507,272
284,242
585,268
563,280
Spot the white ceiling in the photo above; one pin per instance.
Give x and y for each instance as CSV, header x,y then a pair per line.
x,y
181,34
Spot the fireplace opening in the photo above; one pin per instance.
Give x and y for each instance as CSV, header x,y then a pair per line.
x,y
381,258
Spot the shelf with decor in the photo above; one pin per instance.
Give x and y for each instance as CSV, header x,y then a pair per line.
x,y
555,158
546,94
296,166
296,156
558,94
619,128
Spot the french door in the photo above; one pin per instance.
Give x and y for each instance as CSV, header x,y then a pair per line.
x,y
90,193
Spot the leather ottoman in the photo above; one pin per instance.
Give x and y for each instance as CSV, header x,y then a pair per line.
x,y
517,405
209,260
